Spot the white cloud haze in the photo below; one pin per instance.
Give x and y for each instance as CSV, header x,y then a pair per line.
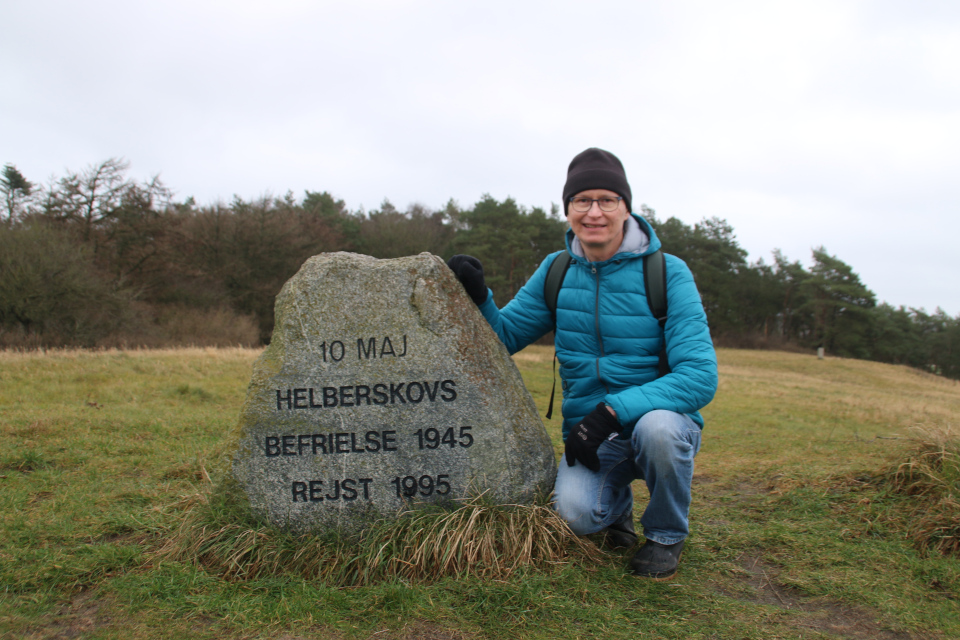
x,y
802,124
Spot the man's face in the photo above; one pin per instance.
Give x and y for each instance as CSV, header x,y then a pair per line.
x,y
600,232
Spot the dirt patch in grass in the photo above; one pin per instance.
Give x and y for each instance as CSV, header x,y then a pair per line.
x,y
703,478
185,471
80,618
420,630
416,630
40,496
761,577
815,614
36,429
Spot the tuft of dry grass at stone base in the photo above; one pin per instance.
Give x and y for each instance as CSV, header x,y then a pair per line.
x,y
470,540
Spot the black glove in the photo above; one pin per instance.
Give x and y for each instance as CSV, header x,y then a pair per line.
x,y
469,272
585,438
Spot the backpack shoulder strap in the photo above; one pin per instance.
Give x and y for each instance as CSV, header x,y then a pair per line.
x,y
551,291
655,284
554,280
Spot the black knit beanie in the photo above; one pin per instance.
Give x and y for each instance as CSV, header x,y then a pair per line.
x,y
596,169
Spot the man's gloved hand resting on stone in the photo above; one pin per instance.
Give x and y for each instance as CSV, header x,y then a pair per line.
x,y
469,272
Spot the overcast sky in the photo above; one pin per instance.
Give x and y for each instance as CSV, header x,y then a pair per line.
x,y
833,123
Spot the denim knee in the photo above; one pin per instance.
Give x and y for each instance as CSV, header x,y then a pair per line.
x,y
575,499
593,500
664,436
665,444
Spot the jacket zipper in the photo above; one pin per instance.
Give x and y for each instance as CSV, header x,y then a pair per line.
x,y
596,324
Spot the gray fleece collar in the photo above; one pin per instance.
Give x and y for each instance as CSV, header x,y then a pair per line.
x,y
635,240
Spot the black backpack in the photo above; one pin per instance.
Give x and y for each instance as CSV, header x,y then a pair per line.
x,y
654,283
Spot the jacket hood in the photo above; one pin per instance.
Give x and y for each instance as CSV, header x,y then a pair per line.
x,y
639,239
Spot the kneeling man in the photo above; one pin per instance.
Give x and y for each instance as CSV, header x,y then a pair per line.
x,y
623,417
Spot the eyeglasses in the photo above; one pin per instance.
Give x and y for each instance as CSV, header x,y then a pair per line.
x,y
607,204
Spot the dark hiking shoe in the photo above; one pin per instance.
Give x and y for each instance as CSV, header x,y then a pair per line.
x,y
657,561
620,535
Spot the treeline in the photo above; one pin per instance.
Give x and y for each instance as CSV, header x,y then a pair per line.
x,y
97,259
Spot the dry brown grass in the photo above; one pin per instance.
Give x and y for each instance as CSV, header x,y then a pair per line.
x,y
475,539
932,466
930,477
867,392
801,419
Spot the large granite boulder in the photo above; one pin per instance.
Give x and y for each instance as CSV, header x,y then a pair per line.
x,y
383,386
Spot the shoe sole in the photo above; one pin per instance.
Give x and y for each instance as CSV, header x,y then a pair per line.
x,y
660,577
657,577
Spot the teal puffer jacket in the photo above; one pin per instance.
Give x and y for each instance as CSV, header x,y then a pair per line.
x,y
607,340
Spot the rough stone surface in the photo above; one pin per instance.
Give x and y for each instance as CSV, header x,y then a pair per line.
x,y
383,386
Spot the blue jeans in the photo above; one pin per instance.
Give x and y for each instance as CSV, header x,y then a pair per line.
x,y
660,451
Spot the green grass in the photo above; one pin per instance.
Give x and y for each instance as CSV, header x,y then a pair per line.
x,y
805,520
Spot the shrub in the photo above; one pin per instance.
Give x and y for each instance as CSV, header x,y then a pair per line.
x,y
177,325
50,291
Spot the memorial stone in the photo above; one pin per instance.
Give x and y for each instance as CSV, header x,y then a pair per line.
x,y
383,387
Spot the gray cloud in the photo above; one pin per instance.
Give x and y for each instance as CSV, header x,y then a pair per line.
x,y
833,123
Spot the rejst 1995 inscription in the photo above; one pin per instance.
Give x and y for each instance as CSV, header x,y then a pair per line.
x,y
383,386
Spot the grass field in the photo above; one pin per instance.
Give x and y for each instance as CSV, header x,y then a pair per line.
x,y
794,532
